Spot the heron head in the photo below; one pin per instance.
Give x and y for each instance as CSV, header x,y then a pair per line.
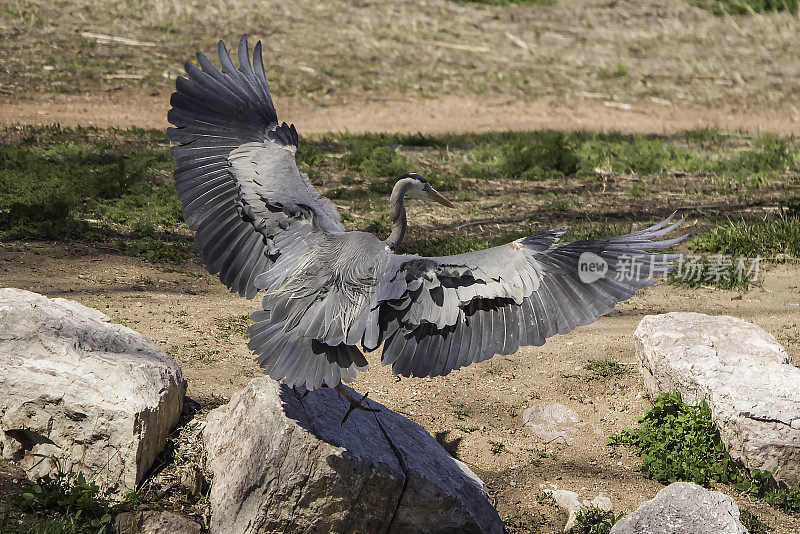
x,y
422,190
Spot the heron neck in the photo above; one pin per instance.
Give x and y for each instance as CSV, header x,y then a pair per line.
x,y
398,212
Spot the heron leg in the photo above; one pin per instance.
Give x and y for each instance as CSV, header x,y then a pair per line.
x,y
355,404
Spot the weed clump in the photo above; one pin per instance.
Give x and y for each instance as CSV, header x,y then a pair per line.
x,y
678,442
594,521
619,71
82,505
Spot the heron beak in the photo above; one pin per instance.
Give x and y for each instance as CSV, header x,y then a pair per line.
x,y
434,195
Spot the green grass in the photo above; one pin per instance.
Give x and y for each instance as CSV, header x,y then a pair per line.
x,y
460,244
551,157
547,154
63,182
678,442
10,524
769,237
618,71
377,161
746,7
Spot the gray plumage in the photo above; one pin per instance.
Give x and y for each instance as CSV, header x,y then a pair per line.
x,y
260,225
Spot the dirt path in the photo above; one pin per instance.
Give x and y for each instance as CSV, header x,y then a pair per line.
x,y
453,114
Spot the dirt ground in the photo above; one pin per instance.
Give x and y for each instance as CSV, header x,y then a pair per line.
x,y
436,66
185,311
432,67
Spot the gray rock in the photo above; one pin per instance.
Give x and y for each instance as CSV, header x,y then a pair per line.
x,y
741,372
98,396
154,522
683,508
285,463
550,420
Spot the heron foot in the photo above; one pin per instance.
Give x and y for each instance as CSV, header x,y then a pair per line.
x,y
355,404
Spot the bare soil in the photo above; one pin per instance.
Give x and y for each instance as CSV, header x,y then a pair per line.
x,y
185,311
437,66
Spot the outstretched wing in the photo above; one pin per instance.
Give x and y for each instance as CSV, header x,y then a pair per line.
x,y
439,314
236,177
433,315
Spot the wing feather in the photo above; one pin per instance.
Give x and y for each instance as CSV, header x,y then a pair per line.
x,y
494,301
236,175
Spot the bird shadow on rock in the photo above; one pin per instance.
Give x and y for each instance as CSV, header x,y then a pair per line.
x,y
450,446
388,439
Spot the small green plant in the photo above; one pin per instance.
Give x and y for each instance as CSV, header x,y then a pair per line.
x,y
467,429
236,324
461,413
618,71
81,503
593,520
603,369
496,447
678,442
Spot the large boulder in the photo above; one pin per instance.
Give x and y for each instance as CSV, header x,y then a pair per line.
x,y
284,462
741,372
99,397
683,508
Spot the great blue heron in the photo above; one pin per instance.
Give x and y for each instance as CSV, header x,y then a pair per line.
x,y
260,225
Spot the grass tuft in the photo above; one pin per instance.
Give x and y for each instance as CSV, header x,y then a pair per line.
x,y
594,521
64,182
770,237
618,71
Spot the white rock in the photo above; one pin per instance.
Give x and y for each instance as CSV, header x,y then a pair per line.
x,y
567,501
98,396
570,503
683,508
740,371
282,463
550,421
